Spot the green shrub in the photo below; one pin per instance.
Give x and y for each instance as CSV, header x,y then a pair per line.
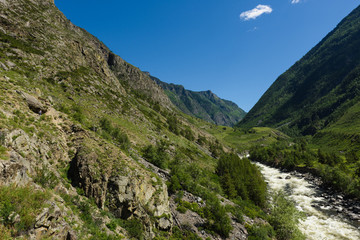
x,y
173,124
184,234
237,213
45,177
115,133
188,134
134,227
3,153
181,209
239,177
260,232
217,218
24,201
285,217
157,155
20,44
174,184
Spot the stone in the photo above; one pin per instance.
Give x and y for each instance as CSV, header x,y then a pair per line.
x,y
3,66
15,218
71,235
10,64
164,224
48,216
34,104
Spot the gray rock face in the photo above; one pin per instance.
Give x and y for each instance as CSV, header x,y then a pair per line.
x,y
25,154
14,171
164,224
34,104
4,2
132,193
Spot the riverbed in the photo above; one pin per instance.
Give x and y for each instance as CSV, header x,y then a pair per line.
x,y
323,220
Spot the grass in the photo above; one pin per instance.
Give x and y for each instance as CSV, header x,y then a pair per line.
x,y
23,201
3,153
244,139
342,135
19,44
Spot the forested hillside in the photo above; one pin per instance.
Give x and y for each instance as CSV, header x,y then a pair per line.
x,y
317,91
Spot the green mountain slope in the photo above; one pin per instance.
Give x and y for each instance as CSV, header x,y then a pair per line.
x,y
204,105
317,90
92,148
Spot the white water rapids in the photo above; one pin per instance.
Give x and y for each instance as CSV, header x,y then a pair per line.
x,y
319,224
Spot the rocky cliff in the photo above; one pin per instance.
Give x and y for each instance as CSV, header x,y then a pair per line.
x,y
76,121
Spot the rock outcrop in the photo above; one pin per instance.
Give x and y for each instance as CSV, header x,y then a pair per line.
x,y
126,189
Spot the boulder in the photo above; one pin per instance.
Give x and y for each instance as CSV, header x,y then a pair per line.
x,y
164,224
34,104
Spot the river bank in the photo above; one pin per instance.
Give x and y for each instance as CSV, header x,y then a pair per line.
x,y
329,215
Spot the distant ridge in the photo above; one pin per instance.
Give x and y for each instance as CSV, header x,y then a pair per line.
x,y
204,105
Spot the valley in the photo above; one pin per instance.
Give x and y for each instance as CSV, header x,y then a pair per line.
x,y
92,147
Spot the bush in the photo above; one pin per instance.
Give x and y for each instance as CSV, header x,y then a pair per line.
x,y
157,155
217,218
188,134
183,234
173,124
236,212
260,232
239,177
115,133
181,209
284,218
134,227
45,177
24,201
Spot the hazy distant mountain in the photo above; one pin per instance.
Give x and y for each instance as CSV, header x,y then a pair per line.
x,y
204,105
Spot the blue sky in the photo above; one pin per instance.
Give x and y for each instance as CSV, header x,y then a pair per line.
x,y
235,48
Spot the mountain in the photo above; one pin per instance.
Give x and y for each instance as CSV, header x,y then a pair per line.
x,y
92,148
204,105
318,92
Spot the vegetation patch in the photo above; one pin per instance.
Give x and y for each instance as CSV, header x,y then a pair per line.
x,y
285,217
19,207
239,177
115,133
157,155
340,171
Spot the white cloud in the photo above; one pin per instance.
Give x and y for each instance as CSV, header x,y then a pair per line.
x,y
256,12
295,1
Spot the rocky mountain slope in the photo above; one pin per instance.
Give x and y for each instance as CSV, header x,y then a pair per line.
x,y
204,105
317,91
92,148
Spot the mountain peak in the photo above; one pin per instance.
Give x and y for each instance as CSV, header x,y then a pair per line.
x,y
204,104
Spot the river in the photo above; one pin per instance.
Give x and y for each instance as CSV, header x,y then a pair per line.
x,y
323,221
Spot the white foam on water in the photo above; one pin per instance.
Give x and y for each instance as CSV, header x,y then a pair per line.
x,y
317,225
